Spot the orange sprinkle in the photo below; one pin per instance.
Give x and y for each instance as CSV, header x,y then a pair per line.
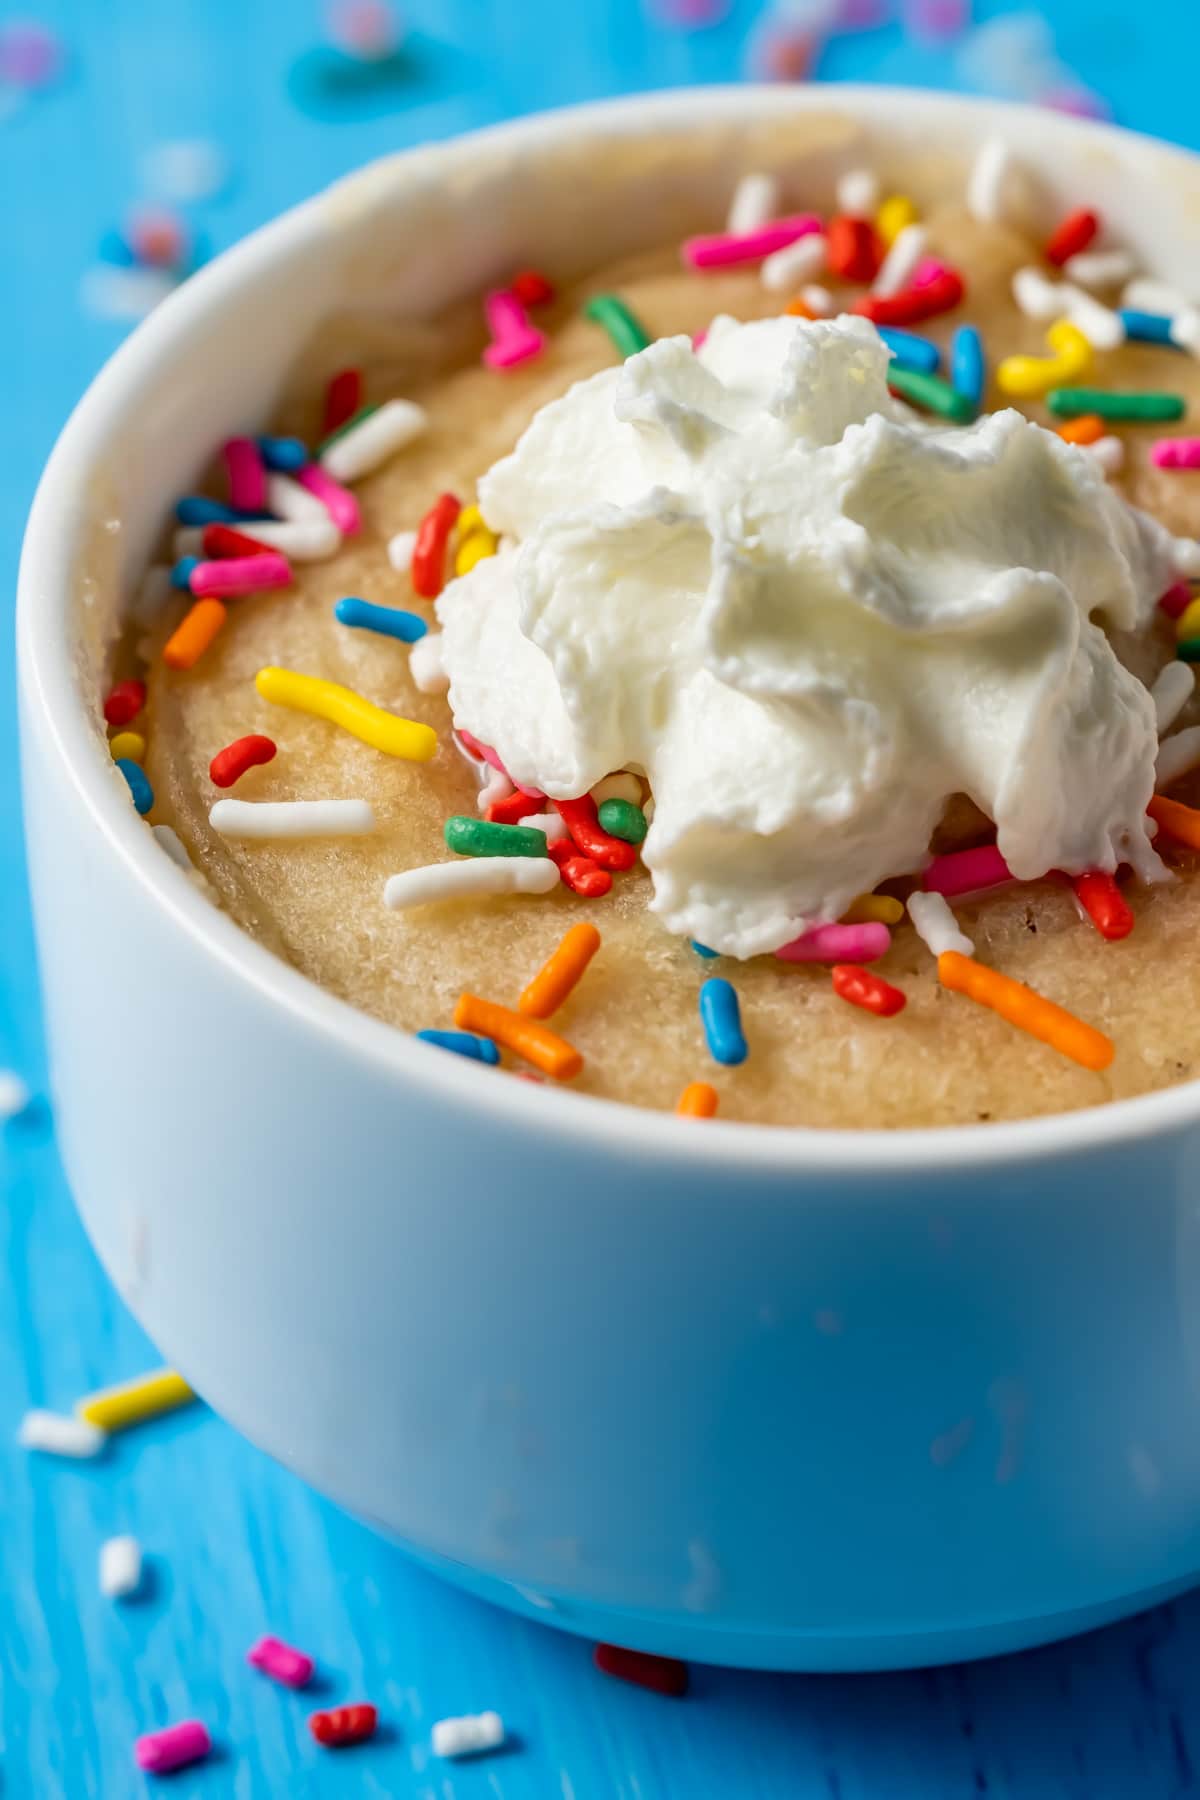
x,y
559,974
1088,428
697,1101
536,1043
1177,820
799,309
1027,1010
187,644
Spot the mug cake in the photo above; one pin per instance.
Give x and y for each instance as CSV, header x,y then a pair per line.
x,y
756,675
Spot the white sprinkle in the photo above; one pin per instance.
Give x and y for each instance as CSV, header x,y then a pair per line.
x,y
1187,558
170,841
1103,328
1171,693
1036,295
14,1094
186,170
755,200
470,1736
365,446
858,193
303,540
1109,452
621,786
109,292
991,182
1178,756
400,551
120,1567
936,925
474,875
425,665
795,263
819,301
900,264
1146,295
59,1435
293,502
292,818
1185,330
495,786
152,595
1099,268
551,823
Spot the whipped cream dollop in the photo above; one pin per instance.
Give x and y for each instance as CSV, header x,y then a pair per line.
x,y
809,618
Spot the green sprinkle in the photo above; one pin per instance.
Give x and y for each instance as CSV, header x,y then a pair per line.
x,y
1073,402
623,327
622,819
484,837
1188,650
931,393
364,412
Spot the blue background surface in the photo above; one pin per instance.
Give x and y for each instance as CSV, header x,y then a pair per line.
x,y
237,1546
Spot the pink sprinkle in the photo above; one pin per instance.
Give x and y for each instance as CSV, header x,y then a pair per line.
x,y
1176,453
171,1748
514,339
698,338
966,871
936,20
30,55
860,15
246,474
232,576
1177,599
838,943
486,754
277,1659
929,270
157,237
338,501
749,246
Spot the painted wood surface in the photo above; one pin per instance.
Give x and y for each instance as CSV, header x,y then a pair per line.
x,y
235,1545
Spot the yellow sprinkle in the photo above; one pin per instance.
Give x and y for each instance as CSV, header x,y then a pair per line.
x,y
128,744
896,212
1188,623
477,545
113,1408
1029,377
880,909
341,706
470,519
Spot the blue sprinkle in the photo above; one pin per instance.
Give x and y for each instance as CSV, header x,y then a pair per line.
x,y
721,1018
1148,328
181,574
139,787
284,454
114,249
198,509
463,1043
968,366
389,621
703,950
911,351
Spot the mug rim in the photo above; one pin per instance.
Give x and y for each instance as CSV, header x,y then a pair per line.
x,y
46,683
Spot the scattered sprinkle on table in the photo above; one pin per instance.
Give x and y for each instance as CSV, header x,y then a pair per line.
x,y
159,1752
130,1402
661,1674
57,1434
342,1725
120,1567
472,1735
294,1668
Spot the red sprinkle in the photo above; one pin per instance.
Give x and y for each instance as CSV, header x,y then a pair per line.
x,y
853,248
1177,599
579,817
662,1674
226,540
428,567
914,303
125,702
344,1724
1104,904
231,763
343,397
532,288
871,992
511,811
579,873
1073,235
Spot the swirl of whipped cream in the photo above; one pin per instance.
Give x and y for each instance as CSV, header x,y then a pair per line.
x,y
810,618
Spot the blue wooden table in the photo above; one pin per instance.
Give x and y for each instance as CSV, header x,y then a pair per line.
x,y
237,1546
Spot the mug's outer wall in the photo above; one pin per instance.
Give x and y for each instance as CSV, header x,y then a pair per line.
x,y
786,1413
